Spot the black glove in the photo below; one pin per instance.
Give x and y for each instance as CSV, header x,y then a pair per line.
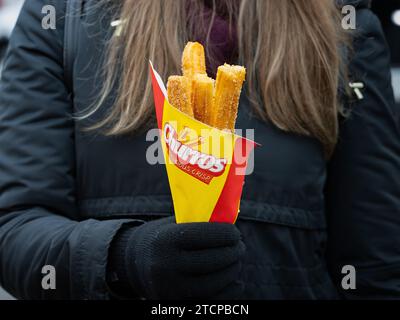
x,y
165,260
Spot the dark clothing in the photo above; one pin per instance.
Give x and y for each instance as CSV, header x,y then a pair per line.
x,y
363,187
65,194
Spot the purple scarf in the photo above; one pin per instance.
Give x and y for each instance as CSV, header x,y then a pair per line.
x,y
222,45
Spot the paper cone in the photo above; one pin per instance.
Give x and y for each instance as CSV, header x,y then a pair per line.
x,y
206,166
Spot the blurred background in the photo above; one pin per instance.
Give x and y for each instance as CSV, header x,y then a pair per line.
x,y
387,10
9,10
389,13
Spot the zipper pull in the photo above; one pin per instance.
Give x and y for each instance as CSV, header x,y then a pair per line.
x,y
357,86
119,26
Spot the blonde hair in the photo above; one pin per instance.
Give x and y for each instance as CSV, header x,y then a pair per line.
x,y
291,49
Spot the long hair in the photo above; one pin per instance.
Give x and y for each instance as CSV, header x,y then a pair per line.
x,y
291,49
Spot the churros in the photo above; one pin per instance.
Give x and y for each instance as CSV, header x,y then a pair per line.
x,y
180,94
202,97
227,94
193,60
212,102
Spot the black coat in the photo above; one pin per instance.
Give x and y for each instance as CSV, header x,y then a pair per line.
x,y
64,194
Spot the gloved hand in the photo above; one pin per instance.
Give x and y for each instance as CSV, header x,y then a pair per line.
x,y
165,260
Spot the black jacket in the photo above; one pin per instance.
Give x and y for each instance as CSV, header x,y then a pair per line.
x,y
64,194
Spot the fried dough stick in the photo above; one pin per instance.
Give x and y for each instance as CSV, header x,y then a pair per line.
x,y
226,97
180,93
193,60
202,97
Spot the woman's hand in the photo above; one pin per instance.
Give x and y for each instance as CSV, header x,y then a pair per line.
x,y
165,260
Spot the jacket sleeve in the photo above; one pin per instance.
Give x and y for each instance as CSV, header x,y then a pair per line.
x,y
39,222
363,187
